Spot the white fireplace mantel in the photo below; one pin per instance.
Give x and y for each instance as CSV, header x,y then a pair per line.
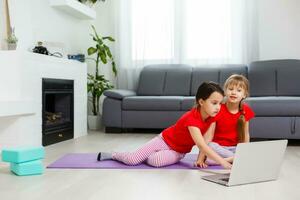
x,y
16,108
21,76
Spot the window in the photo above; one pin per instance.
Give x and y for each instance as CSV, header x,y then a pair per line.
x,y
181,30
152,29
208,29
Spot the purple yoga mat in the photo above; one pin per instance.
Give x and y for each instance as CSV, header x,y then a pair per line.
x,y
89,161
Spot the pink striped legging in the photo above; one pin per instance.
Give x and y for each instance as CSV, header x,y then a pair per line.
x,y
155,153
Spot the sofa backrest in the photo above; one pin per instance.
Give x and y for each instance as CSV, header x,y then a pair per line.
x,y
151,81
274,78
166,79
182,80
216,73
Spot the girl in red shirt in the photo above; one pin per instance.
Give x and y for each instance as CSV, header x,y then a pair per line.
x,y
232,122
174,142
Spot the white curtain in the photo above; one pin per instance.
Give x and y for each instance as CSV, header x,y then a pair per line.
x,y
182,31
2,24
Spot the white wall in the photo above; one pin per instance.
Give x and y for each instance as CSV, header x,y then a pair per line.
x,y
36,20
279,29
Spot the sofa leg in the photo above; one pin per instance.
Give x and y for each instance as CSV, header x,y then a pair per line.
x,y
113,130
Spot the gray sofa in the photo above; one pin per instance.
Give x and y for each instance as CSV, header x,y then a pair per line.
x,y
165,92
275,98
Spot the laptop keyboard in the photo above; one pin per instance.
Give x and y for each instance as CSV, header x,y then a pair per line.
x,y
224,179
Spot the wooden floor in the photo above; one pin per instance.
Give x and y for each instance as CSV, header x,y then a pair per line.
x,y
138,184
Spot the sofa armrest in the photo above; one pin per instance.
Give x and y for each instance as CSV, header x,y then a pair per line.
x,y
119,94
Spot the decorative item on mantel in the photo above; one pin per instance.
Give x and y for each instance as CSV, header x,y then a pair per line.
x,y
97,84
43,50
40,49
12,40
79,57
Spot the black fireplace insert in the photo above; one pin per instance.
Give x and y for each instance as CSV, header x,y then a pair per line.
x,y
57,110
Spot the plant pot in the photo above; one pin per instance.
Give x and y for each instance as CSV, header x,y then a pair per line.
x,y
94,122
11,46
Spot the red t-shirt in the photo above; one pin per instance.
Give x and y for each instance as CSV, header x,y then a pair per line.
x,y
226,133
178,136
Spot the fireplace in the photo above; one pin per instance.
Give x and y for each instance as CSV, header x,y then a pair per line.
x,y
57,110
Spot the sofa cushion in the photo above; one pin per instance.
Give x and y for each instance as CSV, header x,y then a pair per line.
x,y
262,78
187,103
178,80
147,103
228,70
151,81
274,77
288,80
275,106
201,74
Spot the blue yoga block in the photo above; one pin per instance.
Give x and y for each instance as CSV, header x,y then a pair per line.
x,y
27,168
22,154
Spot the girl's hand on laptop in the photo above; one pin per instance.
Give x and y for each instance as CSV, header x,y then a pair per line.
x,y
226,165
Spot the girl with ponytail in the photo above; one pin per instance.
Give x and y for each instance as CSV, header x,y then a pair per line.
x,y
173,143
232,122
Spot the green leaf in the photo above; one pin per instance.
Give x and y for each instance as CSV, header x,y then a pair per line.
x,y
91,51
99,41
107,51
102,49
96,34
103,58
108,38
114,68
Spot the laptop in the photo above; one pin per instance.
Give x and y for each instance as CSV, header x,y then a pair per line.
x,y
253,162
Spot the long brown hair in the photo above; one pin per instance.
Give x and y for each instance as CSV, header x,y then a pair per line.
x,y
240,81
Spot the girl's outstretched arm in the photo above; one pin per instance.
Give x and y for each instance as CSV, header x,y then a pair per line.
x,y
200,142
208,136
247,135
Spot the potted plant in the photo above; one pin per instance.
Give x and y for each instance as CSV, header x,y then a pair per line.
x,y
97,84
12,40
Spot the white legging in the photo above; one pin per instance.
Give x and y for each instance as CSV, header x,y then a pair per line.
x,y
223,151
155,153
